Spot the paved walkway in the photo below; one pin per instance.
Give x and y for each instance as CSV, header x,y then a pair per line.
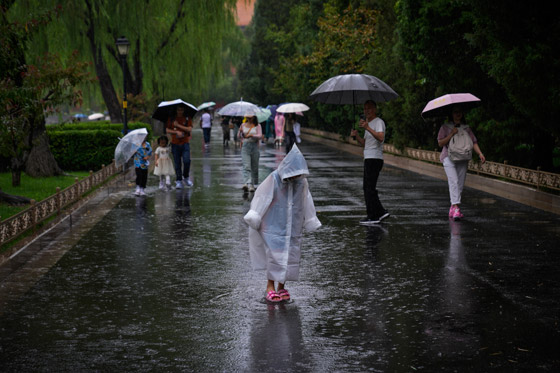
x,y
164,282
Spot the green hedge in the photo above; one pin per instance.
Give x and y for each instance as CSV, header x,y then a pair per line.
x,y
86,146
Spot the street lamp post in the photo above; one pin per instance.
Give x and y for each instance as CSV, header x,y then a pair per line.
x,y
122,47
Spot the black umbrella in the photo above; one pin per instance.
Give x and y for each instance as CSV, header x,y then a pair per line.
x,y
353,89
168,109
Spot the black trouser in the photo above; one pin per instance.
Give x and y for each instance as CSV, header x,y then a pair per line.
x,y
372,167
290,140
141,177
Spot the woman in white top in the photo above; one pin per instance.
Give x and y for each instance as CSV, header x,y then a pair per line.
x,y
251,133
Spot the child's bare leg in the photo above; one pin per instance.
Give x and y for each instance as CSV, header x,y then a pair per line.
x,y
280,286
270,286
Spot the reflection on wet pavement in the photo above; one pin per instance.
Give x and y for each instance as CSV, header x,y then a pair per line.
x,y
164,282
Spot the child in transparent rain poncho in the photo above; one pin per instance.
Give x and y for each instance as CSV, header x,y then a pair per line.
x,y
281,208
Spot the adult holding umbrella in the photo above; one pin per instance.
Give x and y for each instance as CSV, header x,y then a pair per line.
x,y
177,115
457,141
289,129
357,89
237,110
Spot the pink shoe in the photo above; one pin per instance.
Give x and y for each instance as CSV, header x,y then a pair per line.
x,y
284,294
273,297
451,211
457,214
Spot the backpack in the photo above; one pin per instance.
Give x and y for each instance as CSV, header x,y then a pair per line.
x,y
460,146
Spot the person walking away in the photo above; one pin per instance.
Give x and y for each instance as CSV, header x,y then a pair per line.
x,y
225,130
141,163
236,121
180,128
164,165
288,132
250,132
278,128
297,131
456,169
206,125
281,209
373,139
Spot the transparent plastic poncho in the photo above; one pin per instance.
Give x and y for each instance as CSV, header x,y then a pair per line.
x,y
281,209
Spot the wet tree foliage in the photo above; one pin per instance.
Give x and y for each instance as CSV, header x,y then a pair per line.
x,y
503,52
178,47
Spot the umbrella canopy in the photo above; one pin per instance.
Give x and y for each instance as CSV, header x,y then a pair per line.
x,y
167,109
292,108
128,145
96,116
353,89
441,106
239,109
272,109
263,115
206,105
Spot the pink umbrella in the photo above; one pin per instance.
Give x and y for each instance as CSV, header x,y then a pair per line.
x,y
441,106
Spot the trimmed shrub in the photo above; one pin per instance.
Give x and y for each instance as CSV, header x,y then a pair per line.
x,y
86,146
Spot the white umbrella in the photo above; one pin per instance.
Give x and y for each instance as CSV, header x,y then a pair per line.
x,y
292,108
96,116
239,109
128,145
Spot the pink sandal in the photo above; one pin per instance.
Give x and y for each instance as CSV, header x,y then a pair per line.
x,y
284,294
273,297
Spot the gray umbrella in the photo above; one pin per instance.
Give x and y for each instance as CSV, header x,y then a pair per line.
x,y
353,89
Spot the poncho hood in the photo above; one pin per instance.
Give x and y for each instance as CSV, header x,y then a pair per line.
x,y
293,164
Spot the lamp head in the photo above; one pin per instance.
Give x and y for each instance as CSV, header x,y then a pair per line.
x,y
122,44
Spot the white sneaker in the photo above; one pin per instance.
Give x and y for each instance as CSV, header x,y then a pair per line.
x,y
187,183
142,192
161,185
137,192
178,185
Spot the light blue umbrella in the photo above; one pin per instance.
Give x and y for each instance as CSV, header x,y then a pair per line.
x,y
263,115
206,105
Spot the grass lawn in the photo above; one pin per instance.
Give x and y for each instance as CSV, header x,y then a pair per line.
x,y
34,188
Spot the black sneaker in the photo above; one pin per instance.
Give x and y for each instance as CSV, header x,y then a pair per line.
x,y
369,221
384,215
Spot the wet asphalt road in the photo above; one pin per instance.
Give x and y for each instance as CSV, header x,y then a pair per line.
x,y
163,283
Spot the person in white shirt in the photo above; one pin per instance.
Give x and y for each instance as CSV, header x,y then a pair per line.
x,y
206,124
373,139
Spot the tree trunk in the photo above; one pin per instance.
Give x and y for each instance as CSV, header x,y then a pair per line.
x,y
16,178
41,162
13,200
105,83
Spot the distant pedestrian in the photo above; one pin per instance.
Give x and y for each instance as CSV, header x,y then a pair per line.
x,y
278,128
281,208
288,131
456,170
225,130
373,139
180,128
141,163
206,125
251,133
164,165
